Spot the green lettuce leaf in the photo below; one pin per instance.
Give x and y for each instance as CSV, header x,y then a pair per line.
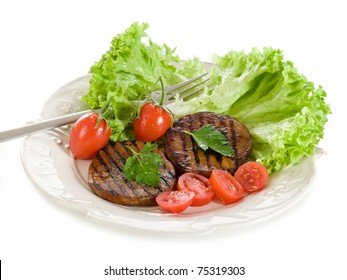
x,y
128,72
284,112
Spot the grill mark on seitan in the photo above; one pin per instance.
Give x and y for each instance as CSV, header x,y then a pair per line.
x,y
123,153
107,180
100,171
193,126
229,131
140,191
188,151
201,155
115,179
188,157
114,161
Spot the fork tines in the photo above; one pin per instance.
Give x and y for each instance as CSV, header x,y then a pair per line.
x,y
187,89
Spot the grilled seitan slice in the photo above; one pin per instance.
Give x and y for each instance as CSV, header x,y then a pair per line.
x,y
107,180
187,156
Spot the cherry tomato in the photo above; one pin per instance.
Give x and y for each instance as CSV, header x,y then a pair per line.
x,y
152,123
174,201
226,187
252,176
198,184
88,136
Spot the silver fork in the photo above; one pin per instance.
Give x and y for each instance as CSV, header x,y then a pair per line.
x,y
188,90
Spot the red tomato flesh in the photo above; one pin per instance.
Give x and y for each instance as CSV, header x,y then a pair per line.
x,y
88,136
152,123
198,184
252,176
175,201
226,187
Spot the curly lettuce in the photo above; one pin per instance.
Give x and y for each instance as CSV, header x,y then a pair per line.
x,y
284,112
128,72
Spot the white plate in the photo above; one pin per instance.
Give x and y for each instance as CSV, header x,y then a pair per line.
x,y
47,160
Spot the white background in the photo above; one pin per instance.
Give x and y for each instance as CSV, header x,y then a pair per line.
x,y
44,44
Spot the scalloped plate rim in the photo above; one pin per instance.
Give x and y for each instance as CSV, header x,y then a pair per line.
x,y
193,222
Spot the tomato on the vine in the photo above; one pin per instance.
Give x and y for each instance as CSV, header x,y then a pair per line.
x,y
226,187
200,185
152,123
252,176
88,135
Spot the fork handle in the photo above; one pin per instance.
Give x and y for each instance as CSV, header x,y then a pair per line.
x,y
40,126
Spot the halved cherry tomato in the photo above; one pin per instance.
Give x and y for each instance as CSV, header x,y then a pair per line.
x,y
88,136
152,123
226,187
200,185
252,176
174,201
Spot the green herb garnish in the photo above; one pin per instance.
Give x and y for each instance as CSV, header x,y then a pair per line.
x,y
143,166
208,137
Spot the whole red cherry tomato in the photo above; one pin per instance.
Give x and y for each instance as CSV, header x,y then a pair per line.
x,y
88,136
152,123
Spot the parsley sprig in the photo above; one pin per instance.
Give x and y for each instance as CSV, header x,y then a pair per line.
x,y
143,166
209,137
